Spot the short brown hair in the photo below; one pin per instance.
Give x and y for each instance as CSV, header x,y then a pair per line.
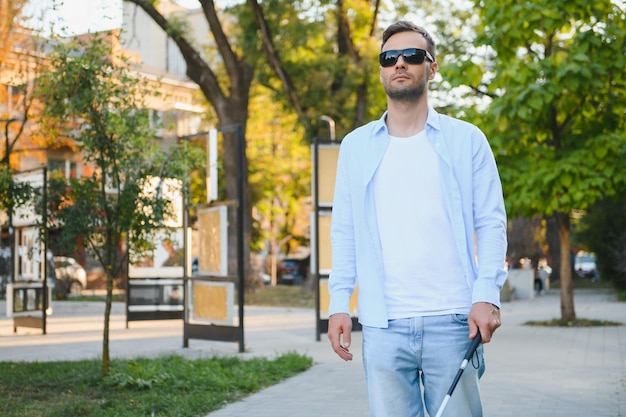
x,y
406,26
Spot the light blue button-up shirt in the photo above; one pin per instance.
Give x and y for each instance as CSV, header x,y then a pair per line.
x,y
473,195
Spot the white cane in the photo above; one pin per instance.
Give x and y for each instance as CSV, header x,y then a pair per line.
x,y
468,356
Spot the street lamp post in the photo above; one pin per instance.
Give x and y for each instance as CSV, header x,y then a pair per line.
x,y
7,156
331,125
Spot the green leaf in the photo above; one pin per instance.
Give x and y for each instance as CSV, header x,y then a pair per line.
x,y
600,152
535,102
566,180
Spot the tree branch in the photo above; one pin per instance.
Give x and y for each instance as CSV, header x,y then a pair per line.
x,y
197,68
274,59
221,40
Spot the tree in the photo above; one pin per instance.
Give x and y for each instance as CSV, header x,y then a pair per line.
x,y
280,179
289,47
526,239
12,194
224,77
555,75
95,99
337,50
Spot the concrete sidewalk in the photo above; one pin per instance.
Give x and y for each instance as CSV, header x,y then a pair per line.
x,y
531,371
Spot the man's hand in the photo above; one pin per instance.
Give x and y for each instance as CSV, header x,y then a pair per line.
x,y
339,334
484,317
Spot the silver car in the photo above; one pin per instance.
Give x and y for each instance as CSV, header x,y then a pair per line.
x,y
71,277
585,265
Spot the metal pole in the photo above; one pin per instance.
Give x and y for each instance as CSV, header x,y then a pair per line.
x,y
331,125
186,293
240,232
318,324
187,251
45,250
128,295
10,207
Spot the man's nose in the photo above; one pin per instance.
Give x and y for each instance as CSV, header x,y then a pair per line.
x,y
401,63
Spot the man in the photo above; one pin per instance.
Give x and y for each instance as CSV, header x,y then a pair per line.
x,y
419,224
174,255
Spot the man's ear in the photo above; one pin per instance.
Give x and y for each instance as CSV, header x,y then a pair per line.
x,y
433,71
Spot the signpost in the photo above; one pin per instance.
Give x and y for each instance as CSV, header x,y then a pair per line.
x,y
29,294
210,291
325,154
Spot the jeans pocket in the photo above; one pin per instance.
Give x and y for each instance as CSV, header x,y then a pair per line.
x,y
460,318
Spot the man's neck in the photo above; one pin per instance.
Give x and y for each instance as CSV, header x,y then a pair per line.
x,y
405,119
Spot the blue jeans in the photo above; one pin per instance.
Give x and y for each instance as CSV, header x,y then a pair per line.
x,y
421,352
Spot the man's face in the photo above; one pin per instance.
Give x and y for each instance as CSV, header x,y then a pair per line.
x,y
402,81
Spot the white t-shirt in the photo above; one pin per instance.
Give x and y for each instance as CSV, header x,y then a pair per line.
x,y
423,271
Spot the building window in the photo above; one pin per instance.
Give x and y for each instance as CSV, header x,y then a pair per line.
x,y
156,122
9,99
64,166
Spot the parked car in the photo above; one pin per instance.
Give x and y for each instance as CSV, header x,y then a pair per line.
x,y
71,277
585,265
293,270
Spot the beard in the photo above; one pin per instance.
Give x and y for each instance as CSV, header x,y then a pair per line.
x,y
408,94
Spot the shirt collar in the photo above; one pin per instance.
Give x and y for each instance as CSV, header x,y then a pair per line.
x,y
432,121
433,118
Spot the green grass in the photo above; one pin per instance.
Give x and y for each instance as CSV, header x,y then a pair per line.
x,y
281,296
276,296
163,387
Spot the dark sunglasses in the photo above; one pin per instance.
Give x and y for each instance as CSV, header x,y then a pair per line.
x,y
410,55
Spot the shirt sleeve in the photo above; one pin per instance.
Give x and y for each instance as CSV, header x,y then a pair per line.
x,y
489,225
342,279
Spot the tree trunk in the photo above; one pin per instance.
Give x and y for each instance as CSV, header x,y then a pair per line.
x,y
106,357
231,168
567,288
